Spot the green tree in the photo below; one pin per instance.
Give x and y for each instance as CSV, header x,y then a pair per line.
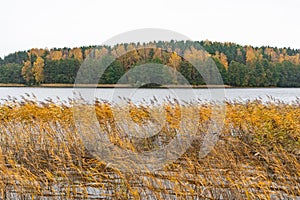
x,y
11,73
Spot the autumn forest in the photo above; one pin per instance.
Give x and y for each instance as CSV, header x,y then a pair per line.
x,y
239,66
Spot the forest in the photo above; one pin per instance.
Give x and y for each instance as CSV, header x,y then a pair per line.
x,y
239,66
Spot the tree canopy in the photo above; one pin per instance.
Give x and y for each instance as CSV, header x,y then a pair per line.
x,y
240,66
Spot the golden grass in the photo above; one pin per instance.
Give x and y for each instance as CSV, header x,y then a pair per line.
x,y
257,156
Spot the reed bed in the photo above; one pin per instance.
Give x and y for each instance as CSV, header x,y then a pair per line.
x,y
257,155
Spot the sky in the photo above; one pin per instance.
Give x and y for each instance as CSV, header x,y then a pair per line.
x,y
74,23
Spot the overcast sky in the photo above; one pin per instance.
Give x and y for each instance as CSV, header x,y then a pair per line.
x,y
68,23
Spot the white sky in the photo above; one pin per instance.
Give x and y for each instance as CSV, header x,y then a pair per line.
x,y
58,23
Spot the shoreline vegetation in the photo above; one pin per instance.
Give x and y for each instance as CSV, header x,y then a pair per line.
x,y
257,155
60,85
236,65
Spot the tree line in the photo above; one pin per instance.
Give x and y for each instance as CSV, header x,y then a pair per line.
x,y
240,66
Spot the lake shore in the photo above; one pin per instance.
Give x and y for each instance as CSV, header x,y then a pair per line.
x,y
60,85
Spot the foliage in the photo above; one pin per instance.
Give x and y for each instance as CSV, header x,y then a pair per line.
x,y
11,73
61,71
240,66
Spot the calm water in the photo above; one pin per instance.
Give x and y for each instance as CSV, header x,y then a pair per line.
x,y
287,95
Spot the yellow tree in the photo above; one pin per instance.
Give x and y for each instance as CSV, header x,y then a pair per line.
x,y
196,55
281,58
76,53
132,57
118,51
157,53
27,71
250,55
56,55
253,55
174,62
99,53
223,60
38,70
294,59
202,63
37,52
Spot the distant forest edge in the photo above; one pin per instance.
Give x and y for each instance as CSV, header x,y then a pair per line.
x,y
239,66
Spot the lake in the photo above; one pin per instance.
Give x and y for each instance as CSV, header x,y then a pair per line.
x,y
286,95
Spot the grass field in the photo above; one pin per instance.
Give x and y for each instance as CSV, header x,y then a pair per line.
x,y
257,154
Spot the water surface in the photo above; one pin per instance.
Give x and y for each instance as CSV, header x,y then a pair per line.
x,y
287,95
